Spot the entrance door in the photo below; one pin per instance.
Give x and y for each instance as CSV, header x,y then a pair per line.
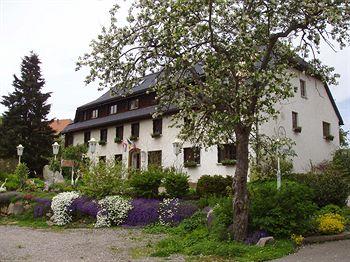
x,y
135,159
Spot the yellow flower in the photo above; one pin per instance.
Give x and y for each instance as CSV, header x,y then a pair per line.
x,y
297,239
331,223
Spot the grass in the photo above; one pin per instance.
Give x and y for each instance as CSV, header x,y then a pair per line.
x,y
25,220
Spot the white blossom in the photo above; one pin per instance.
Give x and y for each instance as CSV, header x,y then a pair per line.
x,y
60,205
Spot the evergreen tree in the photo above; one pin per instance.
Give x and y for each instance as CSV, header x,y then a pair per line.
x,y
25,121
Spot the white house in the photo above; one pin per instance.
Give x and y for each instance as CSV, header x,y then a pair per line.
x,y
310,118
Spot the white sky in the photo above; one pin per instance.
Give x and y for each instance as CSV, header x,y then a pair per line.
x,y
59,31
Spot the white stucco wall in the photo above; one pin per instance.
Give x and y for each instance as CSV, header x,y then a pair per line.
x,y
208,162
310,146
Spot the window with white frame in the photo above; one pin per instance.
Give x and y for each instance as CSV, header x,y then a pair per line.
x,y
134,104
113,109
94,113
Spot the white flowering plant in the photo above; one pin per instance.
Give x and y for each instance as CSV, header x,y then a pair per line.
x,y
60,207
113,211
167,210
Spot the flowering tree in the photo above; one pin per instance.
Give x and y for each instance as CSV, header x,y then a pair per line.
x,y
222,63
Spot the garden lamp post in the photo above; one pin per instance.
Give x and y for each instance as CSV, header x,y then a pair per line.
x,y
92,147
19,152
278,168
55,149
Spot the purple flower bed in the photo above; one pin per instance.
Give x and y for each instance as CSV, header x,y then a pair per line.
x,y
42,207
176,211
254,237
144,212
185,210
84,206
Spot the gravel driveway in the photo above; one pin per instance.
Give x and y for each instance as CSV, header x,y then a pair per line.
x,y
336,251
27,244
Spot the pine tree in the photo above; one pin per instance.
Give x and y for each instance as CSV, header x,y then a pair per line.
x,y
25,121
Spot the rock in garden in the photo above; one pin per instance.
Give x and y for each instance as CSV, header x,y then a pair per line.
x,y
15,209
264,240
51,177
210,218
5,198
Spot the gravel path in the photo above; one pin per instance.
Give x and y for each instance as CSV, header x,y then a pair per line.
x,y
27,244
336,251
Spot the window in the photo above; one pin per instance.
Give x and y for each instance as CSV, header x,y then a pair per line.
x,y
155,158
326,129
135,130
134,104
113,109
302,88
192,155
94,113
226,152
157,126
85,116
102,159
119,130
87,136
68,140
103,135
118,157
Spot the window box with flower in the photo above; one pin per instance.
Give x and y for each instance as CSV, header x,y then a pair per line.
x,y
329,137
133,138
102,142
190,164
297,129
156,135
118,140
228,162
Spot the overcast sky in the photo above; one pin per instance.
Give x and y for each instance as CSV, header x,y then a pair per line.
x,y
59,31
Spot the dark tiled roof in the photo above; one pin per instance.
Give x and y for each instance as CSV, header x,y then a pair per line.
x,y
132,115
147,82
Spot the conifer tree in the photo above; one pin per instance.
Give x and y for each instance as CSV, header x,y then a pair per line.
x,y
25,120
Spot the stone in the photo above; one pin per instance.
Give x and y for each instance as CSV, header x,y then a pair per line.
x,y
52,177
49,223
210,218
348,202
15,209
264,240
3,210
5,198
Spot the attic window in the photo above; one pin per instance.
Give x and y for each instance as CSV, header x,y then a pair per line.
x,y
113,109
94,113
134,104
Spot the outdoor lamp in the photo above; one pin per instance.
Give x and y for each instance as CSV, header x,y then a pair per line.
x,y
55,149
92,145
19,152
177,146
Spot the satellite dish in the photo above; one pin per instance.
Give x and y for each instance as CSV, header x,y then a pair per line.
x,y
281,132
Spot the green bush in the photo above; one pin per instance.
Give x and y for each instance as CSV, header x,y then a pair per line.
x,y
281,212
214,185
12,182
176,184
22,172
334,209
146,183
8,166
341,161
103,179
223,218
330,187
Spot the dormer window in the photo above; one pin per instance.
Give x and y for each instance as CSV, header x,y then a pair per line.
x,y
94,113
134,104
113,109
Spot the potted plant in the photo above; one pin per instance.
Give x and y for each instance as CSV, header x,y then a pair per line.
x,y
329,137
190,164
102,142
134,138
297,129
156,135
118,140
228,162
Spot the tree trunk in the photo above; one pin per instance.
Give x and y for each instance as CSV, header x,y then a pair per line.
x,y
240,200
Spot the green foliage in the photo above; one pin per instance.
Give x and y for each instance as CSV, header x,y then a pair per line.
x,y
74,153
223,213
214,185
281,212
22,172
329,187
334,209
55,165
103,179
176,183
35,184
146,183
341,161
25,121
12,183
8,165
344,138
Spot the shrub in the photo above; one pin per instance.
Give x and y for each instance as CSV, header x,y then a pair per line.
x,y
113,211
223,214
42,206
12,181
329,187
330,223
8,165
214,185
145,184
84,206
176,184
341,160
334,209
103,179
281,212
22,173
143,212
60,207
